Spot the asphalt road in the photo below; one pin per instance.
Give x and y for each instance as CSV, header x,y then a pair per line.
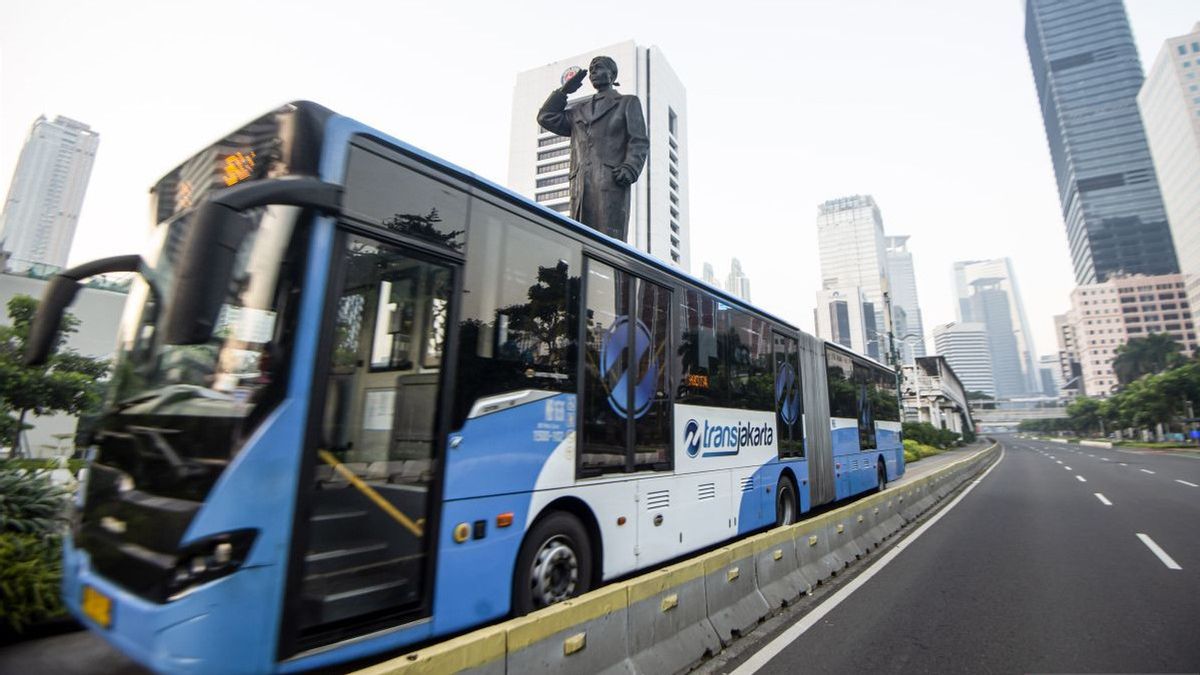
x,y
1030,572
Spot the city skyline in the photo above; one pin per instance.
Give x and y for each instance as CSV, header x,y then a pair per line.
x,y
970,181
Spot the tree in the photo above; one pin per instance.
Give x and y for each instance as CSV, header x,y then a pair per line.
x,y
1142,356
67,383
1084,413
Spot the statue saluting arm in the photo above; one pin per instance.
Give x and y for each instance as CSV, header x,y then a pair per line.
x,y
609,146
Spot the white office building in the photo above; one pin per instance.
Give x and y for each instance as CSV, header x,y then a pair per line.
x,y
965,347
988,294
539,161
845,316
853,256
1170,105
41,211
737,283
910,339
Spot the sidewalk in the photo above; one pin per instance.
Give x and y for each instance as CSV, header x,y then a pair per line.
x,y
928,465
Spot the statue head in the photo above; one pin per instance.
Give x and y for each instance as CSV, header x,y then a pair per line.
x,y
602,72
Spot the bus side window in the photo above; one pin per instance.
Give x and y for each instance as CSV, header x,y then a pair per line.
x,y
839,371
749,352
702,369
864,386
519,315
789,397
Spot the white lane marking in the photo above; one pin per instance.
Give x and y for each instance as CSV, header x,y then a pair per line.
x,y
1059,461
1104,459
774,647
1186,483
1067,468
1091,455
1081,478
1103,499
1145,470
1122,463
1157,550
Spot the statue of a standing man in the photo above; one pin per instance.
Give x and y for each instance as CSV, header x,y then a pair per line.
x,y
608,146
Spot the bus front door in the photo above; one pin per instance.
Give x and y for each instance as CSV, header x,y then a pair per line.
x,y
364,547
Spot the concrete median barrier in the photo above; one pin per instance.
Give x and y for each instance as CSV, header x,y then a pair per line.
x,y
669,630
735,604
481,652
777,569
589,634
671,619
812,552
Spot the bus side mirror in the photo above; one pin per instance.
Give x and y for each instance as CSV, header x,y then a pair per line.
x,y
210,249
202,274
58,296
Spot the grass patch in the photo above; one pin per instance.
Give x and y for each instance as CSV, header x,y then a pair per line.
x,y
1166,445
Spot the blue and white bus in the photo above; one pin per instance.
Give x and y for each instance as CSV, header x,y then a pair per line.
x,y
365,399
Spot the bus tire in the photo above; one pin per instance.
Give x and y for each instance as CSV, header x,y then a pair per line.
x,y
881,480
555,563
787,507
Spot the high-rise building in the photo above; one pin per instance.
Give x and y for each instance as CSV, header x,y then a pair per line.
x,y
38,222
1052,382
737,283
1087,72
539,161
844,316
1107,315
851,247
709,276
987,293
1170,106
965,347
910,339
1069,368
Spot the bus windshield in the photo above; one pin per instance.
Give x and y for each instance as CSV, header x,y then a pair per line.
x,y
177,413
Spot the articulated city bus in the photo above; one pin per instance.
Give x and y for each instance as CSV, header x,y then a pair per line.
x,y
364,399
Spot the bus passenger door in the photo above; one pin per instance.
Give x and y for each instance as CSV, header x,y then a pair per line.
x,y
365,528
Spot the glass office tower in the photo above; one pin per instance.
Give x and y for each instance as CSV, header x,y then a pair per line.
x,y
1088,75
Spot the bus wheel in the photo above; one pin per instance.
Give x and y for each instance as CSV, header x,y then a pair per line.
x,y
785,502
555,563
882,478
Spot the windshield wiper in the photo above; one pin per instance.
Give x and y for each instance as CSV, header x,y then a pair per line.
x,y
171,393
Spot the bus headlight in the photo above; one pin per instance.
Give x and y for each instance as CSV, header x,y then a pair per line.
x,y
207,559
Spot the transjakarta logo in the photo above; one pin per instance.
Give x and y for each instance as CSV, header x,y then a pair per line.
x,y
724,440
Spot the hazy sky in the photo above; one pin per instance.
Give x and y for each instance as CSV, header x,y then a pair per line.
x,y
929,105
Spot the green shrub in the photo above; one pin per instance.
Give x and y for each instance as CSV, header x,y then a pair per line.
x,y
30,575
927,434
30,503
72,465
914,451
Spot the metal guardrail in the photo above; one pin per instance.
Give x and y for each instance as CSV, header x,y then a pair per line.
x,y
672,618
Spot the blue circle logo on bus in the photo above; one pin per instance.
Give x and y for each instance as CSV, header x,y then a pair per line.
x,y
787,393
691,438
614,370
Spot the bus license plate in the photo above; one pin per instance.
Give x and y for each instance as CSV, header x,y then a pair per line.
x,y
97,606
